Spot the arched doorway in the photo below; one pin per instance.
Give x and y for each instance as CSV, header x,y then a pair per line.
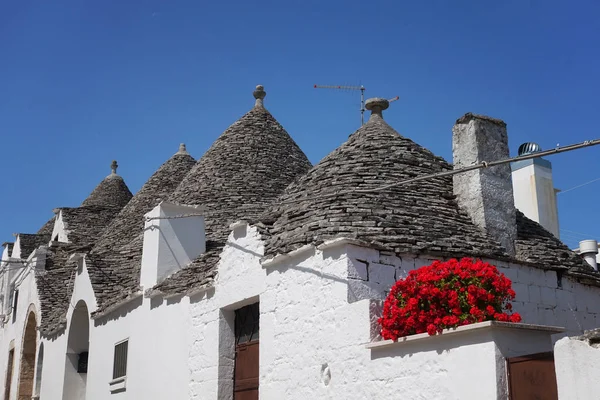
x,y
27,365
38,372
77,354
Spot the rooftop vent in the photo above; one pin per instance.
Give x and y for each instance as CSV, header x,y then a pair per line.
x,y
529,148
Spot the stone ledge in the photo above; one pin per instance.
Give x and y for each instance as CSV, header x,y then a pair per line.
x,y
464,329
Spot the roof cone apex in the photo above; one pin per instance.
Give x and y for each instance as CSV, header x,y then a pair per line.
x,y
113,167
259,95
182,149
376,105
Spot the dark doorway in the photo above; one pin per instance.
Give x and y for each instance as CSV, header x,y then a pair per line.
x,y
532,377
27,369
9,372
245,381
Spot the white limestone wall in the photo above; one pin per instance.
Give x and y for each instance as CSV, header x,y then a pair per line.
x,y
576,363
159,342
542,297
158,333
241,280
60,232
12,332
315,318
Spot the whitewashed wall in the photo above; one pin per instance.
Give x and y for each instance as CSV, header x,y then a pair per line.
x,y
158,333
12,332
576,363
316,319
159,342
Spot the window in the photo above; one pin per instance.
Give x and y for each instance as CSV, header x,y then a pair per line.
x,y
14,308
246,324
82,363
120,362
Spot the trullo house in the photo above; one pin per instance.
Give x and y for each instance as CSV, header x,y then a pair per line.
x,y
250,274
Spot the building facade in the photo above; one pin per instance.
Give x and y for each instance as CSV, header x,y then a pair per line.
x,y
251,274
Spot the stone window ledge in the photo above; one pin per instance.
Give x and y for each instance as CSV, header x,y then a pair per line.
x,y
118,385
383,344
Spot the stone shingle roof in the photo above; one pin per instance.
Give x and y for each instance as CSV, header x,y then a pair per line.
x,y
55,286
47,228
114,261
111,192
536,246
416,218
246,168
31,241
84,224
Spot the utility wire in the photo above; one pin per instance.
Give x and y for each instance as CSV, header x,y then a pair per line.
x,y
578,186
483,164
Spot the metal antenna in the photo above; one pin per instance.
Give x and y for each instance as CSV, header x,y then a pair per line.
x,y
362,96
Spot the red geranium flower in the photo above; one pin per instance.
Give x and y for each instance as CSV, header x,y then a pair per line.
x,y
446,295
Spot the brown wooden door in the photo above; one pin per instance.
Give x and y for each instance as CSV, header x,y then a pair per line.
x,y
532,377
245,377
246,371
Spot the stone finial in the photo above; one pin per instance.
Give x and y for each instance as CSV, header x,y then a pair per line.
x,y
113,167
376,105
259,95
182,149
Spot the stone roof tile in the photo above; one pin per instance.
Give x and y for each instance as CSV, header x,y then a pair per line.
x,y
416,218
31,241
84,224
244,170
115,260
535,245
111,192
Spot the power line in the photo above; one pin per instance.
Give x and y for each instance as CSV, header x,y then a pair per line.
x,y
481,165
578,186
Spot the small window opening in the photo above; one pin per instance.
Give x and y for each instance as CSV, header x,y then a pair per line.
x,y
14,307
120,362
82,362
246,324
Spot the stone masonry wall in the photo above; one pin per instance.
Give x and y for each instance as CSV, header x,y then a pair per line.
x,y
543,296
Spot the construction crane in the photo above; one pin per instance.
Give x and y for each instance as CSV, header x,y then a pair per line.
x,y
362,96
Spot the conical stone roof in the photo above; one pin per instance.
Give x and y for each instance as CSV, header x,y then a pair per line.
x,y
111,192
244,170
115,260
417,218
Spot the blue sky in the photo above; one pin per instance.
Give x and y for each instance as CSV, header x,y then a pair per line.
x,y
83,83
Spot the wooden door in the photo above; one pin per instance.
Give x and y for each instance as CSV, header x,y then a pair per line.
x,y
532,377
245,379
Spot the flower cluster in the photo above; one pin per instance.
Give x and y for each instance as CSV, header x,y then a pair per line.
x,y
446,295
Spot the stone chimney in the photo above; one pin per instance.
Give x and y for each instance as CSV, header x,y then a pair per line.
x,y
486,194
174,235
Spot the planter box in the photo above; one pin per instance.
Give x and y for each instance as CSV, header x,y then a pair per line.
x,y
468,362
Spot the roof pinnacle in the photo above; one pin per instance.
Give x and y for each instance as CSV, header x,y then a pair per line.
x,y
259,95
113,167
182,149
376,105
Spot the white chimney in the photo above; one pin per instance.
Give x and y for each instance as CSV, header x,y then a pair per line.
x,y
485,194
174,236
588,250
535,195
